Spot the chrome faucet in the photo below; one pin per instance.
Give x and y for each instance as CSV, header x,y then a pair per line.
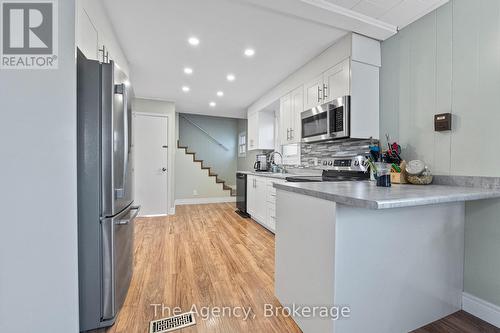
x,y
280,166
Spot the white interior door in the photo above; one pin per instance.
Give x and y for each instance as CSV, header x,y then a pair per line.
x,y
151,157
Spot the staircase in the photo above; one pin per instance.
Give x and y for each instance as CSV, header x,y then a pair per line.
x,y
210,171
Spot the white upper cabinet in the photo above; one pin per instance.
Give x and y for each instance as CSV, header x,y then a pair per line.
x,y
336,81
291,106
285,115
331,84
313,93
260,130
253,131
350,67
297,97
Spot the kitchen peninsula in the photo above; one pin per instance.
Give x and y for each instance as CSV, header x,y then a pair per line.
x,y
394,255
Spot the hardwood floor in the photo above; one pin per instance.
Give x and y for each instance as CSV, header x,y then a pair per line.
x,y
459,322
208,256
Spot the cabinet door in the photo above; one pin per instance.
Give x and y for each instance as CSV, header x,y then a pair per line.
x,y
271,217
260,199
285,115
337,81
313,93
253,131
297,103
251,204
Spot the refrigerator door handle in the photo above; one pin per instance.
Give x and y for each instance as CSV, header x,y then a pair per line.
x,y
135,210
121,89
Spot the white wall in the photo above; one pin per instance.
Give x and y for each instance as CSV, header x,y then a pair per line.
x,y
98,15
167,108
38,195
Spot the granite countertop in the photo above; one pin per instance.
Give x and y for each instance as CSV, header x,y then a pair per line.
x,y
366,194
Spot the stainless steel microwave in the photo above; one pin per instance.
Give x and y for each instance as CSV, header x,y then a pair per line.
x,y
327,121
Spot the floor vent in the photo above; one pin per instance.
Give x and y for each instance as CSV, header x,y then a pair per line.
x,y
172,323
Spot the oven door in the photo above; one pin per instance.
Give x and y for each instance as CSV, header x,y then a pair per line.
x,y
339,118
315,124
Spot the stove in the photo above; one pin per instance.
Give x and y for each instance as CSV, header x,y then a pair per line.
x,y
338,170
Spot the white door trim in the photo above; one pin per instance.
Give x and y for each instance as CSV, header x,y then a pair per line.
x,y
169,159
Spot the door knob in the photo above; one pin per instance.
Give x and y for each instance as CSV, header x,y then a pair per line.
x,y
163,169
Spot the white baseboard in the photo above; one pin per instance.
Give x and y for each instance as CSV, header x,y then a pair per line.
x,y
198,201
482,309
172,211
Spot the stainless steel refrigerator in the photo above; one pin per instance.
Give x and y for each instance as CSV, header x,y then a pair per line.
x,y
105,203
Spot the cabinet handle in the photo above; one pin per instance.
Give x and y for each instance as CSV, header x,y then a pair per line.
x,y
325,88
287,134
291,134
319,94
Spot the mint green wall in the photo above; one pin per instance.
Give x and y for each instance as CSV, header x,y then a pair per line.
x,y
225,130
449,61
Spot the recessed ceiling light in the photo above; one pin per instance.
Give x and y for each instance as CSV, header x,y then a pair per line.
x,y
185,88
220,93
249,52
193,41
230,77
212,104
188,70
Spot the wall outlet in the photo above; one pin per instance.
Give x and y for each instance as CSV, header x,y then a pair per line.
x,y
195,192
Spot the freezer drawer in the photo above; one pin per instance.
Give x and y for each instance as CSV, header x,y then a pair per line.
x,y
117,263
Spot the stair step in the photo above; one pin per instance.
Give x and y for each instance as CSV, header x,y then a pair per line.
x,y
210,173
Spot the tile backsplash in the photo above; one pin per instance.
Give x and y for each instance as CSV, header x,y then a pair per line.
x,y
332,149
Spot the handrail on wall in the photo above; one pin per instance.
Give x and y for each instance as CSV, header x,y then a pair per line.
x,y
204,131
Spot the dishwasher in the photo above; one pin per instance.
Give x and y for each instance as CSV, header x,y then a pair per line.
x,y
241,194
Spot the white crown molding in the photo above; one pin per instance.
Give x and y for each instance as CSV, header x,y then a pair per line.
x,y
331,7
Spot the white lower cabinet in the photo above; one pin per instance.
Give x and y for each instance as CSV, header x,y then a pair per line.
x,y
261,200
256,198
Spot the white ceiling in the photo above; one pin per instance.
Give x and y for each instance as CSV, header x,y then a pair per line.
x,y
284,33
154,33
